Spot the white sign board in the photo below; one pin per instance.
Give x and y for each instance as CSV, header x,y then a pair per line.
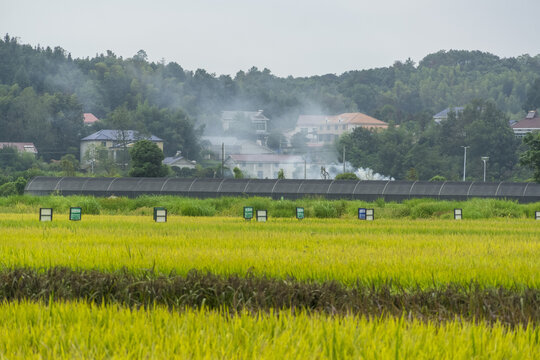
x,y
261,215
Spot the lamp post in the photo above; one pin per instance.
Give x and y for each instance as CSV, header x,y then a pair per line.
x,y
465,161
485,159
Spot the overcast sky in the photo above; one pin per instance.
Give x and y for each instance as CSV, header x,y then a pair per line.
x,y
298,38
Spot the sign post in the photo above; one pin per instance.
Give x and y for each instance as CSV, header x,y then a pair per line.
x,y
366,214
537,215
458,214
248,212
370,214
361,214
262,215
299,213
160,214
75,213
45,214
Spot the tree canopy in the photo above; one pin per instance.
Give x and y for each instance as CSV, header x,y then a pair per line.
x,y
44,92
146,159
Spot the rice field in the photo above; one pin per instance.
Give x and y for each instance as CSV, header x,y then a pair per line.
x,y
411,253
391,259
75,330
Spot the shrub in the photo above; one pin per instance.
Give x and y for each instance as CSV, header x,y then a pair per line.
x,y
325,210
197,209
7,189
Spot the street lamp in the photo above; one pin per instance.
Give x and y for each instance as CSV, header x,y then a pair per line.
x,y
485,159
465,161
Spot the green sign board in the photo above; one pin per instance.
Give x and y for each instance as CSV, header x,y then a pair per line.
x,y
299,213
75,213
248,212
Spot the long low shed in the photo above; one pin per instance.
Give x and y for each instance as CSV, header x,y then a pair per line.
x,y
287,189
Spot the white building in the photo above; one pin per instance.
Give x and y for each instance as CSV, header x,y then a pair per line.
x,y
233,145
529,124
267,166
324,130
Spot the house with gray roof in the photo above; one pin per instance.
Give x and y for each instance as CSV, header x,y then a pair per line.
x,y
443,115
114,141
234,120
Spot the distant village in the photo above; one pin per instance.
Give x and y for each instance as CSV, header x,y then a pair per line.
x,y
250,152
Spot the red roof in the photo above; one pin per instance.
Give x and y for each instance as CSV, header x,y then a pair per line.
x,y
89,118
533,123
20,146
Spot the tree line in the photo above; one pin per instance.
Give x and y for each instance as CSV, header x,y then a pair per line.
x,y
44,92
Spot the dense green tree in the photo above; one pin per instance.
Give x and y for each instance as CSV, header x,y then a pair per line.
x,y
531,157
146,159
532,102
238,174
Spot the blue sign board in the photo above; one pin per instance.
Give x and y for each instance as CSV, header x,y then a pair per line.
x,y
361,214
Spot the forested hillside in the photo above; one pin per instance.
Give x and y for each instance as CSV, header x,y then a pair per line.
x,y
44,92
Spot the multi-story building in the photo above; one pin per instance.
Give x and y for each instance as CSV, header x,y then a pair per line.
x,y
115,142
235,121
530,123
322,129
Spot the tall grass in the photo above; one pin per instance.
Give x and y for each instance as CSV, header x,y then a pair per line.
x,y
232,206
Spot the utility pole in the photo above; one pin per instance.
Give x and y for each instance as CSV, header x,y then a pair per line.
x,y
465,161
305,169
343,159
222,159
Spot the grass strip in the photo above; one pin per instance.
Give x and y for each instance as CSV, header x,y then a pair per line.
x,y
252,293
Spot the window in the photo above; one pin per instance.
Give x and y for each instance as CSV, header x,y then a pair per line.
x,y
344,127
304,131
103,143
260,174
260,165
336,127
327,127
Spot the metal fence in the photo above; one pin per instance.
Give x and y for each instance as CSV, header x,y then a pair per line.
x,y
287,189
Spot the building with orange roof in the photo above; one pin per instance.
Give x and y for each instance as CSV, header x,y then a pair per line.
x,y
322,129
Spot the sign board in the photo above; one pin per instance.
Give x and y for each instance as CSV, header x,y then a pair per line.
x,y
537,215
370,214
261,215
75,213
45,214
458,214
299,213
248,212
160,214
361,214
